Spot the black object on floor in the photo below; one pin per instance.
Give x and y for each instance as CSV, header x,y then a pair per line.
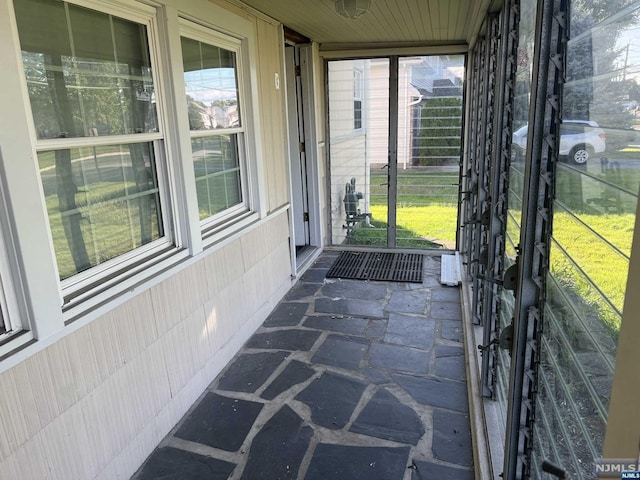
x,y
391,267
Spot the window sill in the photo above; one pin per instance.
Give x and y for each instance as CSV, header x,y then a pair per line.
x,y
12,342
228,228
127,281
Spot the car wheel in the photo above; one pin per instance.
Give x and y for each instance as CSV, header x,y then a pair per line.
x,y
579,155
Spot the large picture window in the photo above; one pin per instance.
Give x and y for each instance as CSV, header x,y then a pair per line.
x,y
93,99
211,76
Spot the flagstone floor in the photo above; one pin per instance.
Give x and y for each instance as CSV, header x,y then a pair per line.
x,y
346,379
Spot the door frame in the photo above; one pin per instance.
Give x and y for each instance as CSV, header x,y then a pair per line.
x,y
307,74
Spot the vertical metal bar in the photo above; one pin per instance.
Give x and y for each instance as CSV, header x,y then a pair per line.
x,y
541,159
465,183
477,168
327,126
527,292
504,100
472,171
392,171
464,136
486,146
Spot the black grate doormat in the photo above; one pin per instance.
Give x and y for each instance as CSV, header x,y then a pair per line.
x,y
392,267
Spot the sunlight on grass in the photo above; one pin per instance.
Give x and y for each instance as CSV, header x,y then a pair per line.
x,y
599,261
424,227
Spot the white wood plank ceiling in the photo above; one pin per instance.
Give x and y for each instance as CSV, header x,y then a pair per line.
x,y
388,22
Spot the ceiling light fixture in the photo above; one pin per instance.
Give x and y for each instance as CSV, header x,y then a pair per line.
x,y
352,8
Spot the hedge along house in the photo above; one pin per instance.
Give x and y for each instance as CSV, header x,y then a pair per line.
x,y
167,174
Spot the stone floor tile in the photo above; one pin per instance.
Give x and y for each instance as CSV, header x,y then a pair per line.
x,y
431,471
302,290
452,438
301,340
342,306
382,338
354,289
386,417
249,371
220,422
435,391
332,399
445,310
278,449
341,352
451,330
445,294
410,331
401,359
450,362
432,264
408,302
286,314
377,329
314,275
326,260
293,374
375,375
342,462
431,281
169,463
348,325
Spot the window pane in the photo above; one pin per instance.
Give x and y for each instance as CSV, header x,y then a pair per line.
x,y
597,183
3,328
217,169
88,73
210,78
102,202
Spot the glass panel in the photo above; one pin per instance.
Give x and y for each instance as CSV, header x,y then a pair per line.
x,y
522,92
211,83
218,176
359,151
594,215
3,326
102,202
88,73
429,139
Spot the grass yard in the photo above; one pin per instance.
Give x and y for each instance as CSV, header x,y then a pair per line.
x,y
602,264
426,211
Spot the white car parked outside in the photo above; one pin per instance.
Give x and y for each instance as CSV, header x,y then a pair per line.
x,y
579,140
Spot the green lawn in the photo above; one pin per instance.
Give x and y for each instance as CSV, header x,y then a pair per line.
x,y
606,268
426,211
426,218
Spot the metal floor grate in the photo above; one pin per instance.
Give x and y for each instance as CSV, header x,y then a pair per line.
x,y
391,267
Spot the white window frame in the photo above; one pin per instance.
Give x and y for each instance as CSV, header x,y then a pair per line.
x,y
13,314
39,304
358,90
78,288
216,225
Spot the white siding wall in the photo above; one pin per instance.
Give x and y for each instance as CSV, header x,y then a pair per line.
x,y
95,404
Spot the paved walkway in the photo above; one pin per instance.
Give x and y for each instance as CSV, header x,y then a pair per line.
x,y
345,380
